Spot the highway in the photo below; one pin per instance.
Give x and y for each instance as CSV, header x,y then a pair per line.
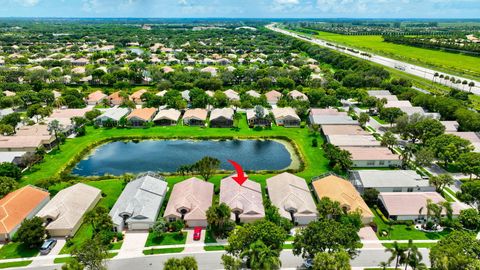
x,y
212,260
418,71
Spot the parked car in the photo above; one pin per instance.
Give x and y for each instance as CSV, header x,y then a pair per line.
x,y
197,233
47,246
308,263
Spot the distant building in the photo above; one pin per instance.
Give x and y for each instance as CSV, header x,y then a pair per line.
x,y
223,117
390,181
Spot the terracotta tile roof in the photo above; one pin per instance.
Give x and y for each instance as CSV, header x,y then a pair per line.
x,y
96,96
18,205
198,113
137,95
343,130
371,153
115,97
273,96
145,114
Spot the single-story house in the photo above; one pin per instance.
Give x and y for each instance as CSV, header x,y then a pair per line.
x,y
398,104
373,157
373,93
12,157
290,194
232,95
413,205
244,200
5,112
469,136
195,117
286,117
115,99
330,117
64,116
343,130
112,115
19,205
295,94
63,215
211,70
136,97
222,117
255,120
189,201
450,126
138,117
28,139
273,97
253,94
353,140
167,117
342,191
138,206
96,98
390,181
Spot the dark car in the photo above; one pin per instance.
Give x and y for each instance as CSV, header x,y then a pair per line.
x,y
197,233
47,246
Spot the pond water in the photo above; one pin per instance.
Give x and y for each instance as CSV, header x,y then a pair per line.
x,y
121,157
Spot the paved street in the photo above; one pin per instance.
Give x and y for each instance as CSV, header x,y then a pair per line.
x,y
418,71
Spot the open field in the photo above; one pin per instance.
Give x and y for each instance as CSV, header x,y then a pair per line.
x,y
459,64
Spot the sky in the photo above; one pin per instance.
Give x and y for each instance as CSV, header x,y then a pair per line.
x,y
242,8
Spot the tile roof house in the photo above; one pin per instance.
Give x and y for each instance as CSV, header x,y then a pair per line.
x,y
112,115
330,117
353,140
295,94
138,206
96,98
469,136
273,97
255,120
19,205
167,117
231,95
253,93
190,200
286,117
450,126
138,117
136,97
390,181
222,117
27,139
398,104
244,200
115,99
342,191
413,205
195,117
373,157
290,194
379,93
343,130
64,213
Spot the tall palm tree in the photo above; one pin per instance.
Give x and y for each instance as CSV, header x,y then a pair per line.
x,y
471,84
259,256
384,265
413,257
448,209
397,254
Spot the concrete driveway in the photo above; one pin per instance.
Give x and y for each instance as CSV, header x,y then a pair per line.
x,y
133,244
369,238
192,245
50,257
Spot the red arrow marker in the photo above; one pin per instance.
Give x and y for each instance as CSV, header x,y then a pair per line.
x,y
240,178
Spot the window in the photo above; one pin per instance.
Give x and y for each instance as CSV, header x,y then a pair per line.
x,y
410,189
381,162
172,219
370,163
397,189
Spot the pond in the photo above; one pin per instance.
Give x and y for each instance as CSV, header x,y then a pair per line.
x,y
121,157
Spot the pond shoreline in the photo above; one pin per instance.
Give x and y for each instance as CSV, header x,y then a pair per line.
x,y
296,159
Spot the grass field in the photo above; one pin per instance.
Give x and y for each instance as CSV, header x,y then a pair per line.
x,y
162,251
14,264
166,239
214,248
17,250
449,62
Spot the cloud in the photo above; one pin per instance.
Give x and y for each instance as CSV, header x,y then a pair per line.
x,y
28,3
287,2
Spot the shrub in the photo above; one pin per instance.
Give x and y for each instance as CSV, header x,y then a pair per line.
x,y
314,142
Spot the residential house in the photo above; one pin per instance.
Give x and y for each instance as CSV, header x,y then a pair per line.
x,y
353,140
19,205
253,94
195,117
111,116
342,191
273,97
330,117
63,215
232,95
413,205
373,157
28,139
139,117
295,94
211,70
343,130
398,104
136,97
222,117
390,181
286,117
167,117
450,126
290,194
244,200
258,117
138,206
469,136
115,99
96,98
189,201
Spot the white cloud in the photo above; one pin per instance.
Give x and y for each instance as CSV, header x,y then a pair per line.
x,y
287,2
28,3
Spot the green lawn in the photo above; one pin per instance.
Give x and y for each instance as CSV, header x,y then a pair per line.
x,y
17,250
14,264
446,61
214,248
419,245
166,239
74,149
162,251
209,238
380,121
403,232
111,189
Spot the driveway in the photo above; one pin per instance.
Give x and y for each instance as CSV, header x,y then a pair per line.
x,y
369,238
133,244
50,257
192,245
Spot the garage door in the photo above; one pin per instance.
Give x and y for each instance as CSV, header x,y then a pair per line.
x,y
138,226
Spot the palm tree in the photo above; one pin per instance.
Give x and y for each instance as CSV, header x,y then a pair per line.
x,y
452,81
435,76
413,257
464,83
384,265
471,84
259,256
56,128
397,254
448,209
